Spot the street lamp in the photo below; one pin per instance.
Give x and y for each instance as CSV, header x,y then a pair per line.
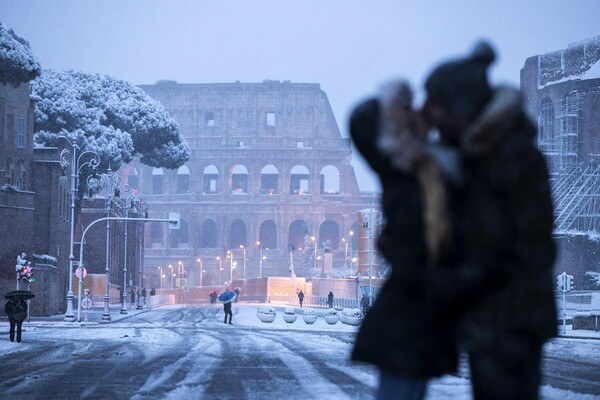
x,y
141,207
260,258
199,260
314,241
171,273
127,203
220,270
160,276
76,167
107,182
244,251
345,254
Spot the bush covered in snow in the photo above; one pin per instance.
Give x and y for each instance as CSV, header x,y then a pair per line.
x,y
266,310
592,281
114,118
289,310
17,62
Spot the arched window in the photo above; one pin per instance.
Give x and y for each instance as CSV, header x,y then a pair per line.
x,y
239,179
237,234
329,231
297,231
209,234
210,177
299,180
268,234
179,237
157,181
183,179
330,180
269,177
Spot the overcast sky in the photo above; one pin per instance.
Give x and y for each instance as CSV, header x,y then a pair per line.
x,y
348,46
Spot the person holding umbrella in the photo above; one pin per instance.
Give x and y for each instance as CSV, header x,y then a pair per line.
x,y
227,297
16,309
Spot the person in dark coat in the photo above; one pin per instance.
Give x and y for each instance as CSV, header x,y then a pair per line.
x,y
227,311
506,307
403,334
330,299
364,304
16,310
300,297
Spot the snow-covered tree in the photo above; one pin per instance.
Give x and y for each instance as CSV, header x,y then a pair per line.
x,y
17,62
114,118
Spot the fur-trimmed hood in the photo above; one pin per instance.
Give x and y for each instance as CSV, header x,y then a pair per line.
x,y
493,123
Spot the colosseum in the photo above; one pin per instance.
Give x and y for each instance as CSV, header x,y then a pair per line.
x,y
269,186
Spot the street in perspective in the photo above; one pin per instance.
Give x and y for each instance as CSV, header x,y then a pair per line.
x,y
186,351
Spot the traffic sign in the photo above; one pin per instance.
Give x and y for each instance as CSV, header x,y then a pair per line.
x,y
78,272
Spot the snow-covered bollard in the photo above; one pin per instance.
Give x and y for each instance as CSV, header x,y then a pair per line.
x,y
309,317
289,315
266,314
351,316
331,316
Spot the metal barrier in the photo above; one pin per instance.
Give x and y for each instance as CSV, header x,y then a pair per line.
x,y
321,302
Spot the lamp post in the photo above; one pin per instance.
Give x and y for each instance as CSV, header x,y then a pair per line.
x,y
141,207
314,241
199,260
127,202
107,182
76,167
220,269
160,276
345,254
244,254
260,258
171,273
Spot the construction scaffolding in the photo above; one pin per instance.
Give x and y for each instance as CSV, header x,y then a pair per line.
x,y
575,189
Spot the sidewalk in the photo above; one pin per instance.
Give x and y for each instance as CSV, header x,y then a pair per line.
x,y
577,334
94,317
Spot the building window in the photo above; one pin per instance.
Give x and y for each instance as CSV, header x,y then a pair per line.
x,y
270,119
209,180
21,132
157,181
183,179
209,118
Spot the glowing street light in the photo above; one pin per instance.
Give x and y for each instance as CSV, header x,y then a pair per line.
x,y
244,251
199,260
220,270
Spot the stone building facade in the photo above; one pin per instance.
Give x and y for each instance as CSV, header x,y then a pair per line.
x,y
269,170
562,93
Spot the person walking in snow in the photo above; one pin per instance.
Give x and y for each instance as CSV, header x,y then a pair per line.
x,y
16,310
300,297
505,304
330,299
228,312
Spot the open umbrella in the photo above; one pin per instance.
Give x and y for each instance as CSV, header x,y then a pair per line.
x,y
227,297
23,294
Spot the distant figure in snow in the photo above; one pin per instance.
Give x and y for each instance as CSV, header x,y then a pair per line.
x,y
364,304
16,310
300,298
330,299
227,310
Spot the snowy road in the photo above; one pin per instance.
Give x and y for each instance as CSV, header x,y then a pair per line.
x,y
188,353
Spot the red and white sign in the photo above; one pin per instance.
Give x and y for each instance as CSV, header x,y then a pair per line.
x,y
78,272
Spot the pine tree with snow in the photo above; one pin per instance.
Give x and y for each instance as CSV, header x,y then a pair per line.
x,y
114,118
17,62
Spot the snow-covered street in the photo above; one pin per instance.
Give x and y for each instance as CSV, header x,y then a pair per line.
x,y
181,352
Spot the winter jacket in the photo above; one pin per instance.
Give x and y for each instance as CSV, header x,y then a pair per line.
x,y
16,310
403,332
508,224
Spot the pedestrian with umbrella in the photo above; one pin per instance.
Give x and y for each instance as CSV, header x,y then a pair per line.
x,y
227,297
16,309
